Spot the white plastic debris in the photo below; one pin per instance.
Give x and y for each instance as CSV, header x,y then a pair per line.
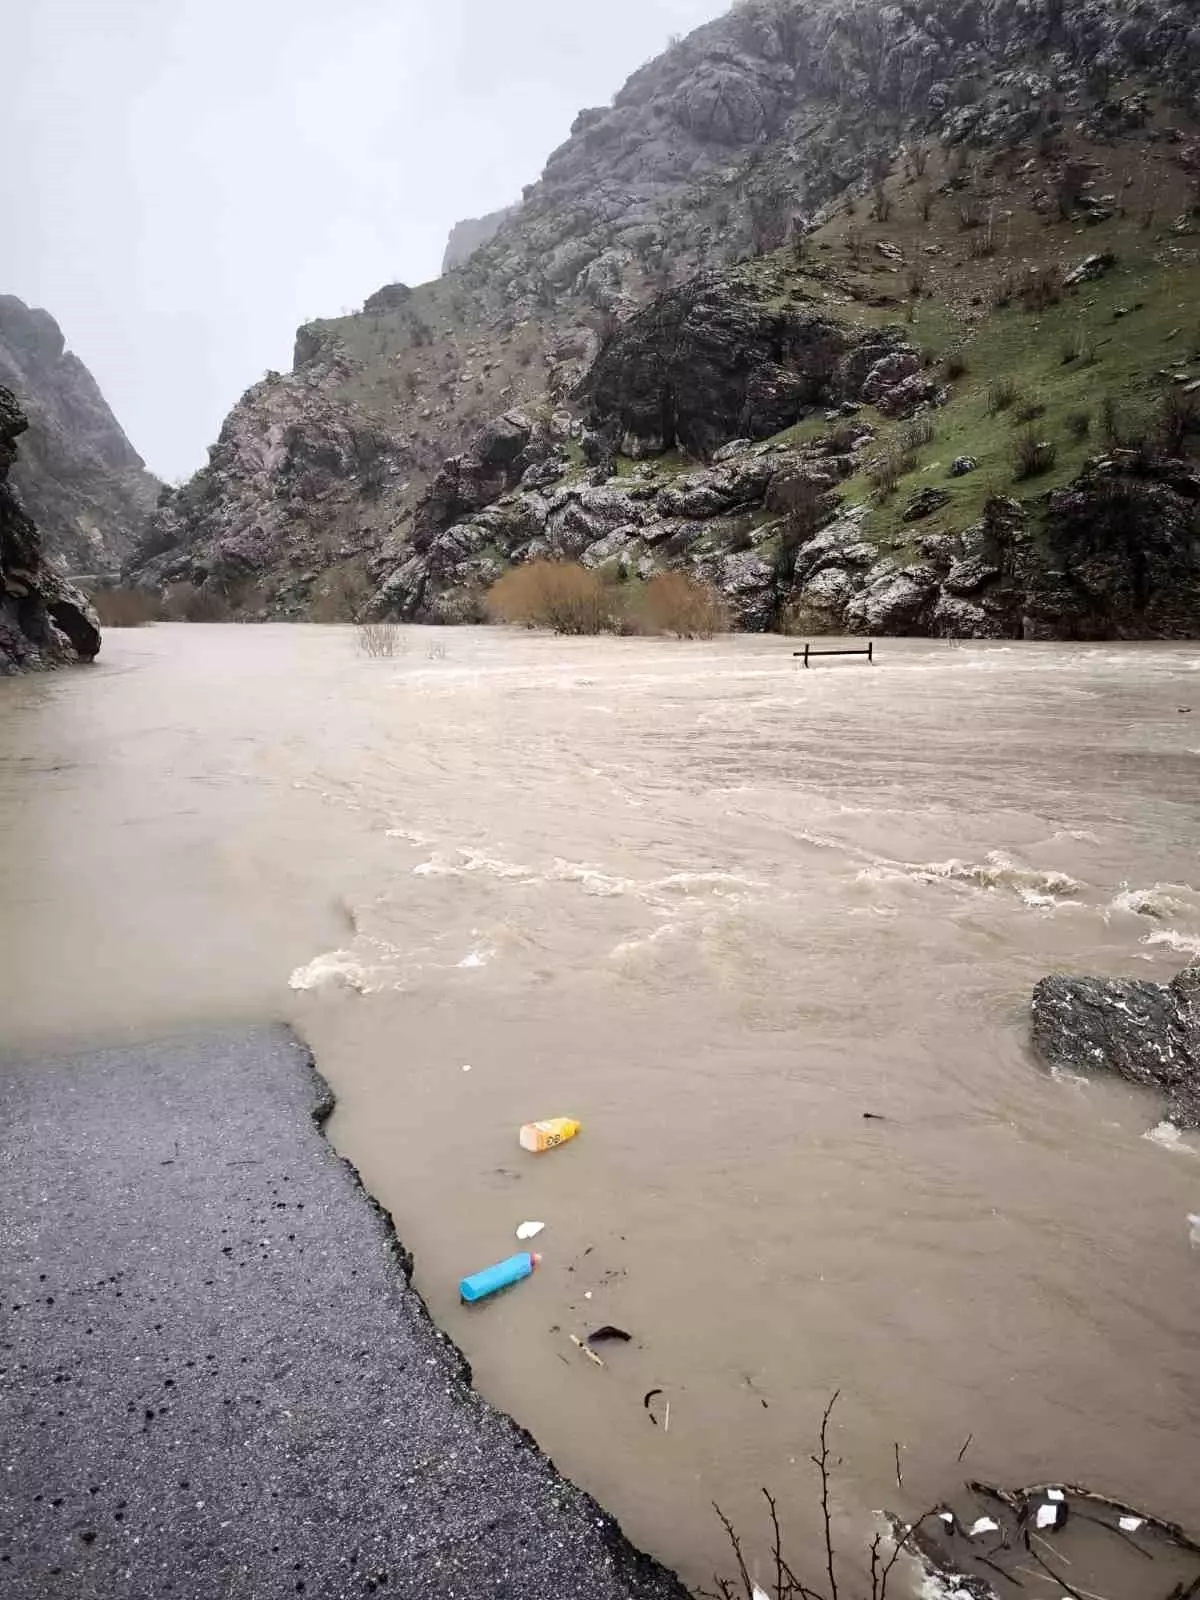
x,y
759,1594
1131,1524
1194,1226
947,1517
466,1069
1055,1494
530,1230
1047,1516
982,1525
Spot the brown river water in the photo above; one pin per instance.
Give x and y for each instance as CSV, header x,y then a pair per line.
x,y
718,908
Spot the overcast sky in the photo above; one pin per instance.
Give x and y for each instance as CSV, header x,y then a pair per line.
x,y
185,181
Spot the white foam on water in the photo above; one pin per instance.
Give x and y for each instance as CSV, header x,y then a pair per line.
x,y
592,880
1168,1137
336,969
633,947
492,866
410,836
436,867
1037,888
999,871
479,957
1185,943
1159,901
717,883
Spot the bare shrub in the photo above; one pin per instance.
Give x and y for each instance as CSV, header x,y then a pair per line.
x,y
1001,395
924,202
881,202
1042,287
1032,455
125,608
920,431
184,602
955,366
673,602
1077,347
1029,409
887,469
1110,419
552,594
854,244
983,244
1178,418
784,1582
380,640
1079,424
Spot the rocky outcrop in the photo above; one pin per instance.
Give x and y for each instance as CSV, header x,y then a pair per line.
x,y
84,484
1148,1033
44,620
467,236
725,522
1115,555
298,480
772,111
716,360
634,292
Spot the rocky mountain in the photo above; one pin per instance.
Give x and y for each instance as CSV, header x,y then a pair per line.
x,y
44,620
84,484
878,316
466,237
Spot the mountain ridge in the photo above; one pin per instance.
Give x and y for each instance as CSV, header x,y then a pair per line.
x,y
82,481
799,140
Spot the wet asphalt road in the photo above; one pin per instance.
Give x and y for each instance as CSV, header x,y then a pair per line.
x,y
214,1378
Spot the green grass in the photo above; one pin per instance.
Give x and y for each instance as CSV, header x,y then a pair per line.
x,y
1028,349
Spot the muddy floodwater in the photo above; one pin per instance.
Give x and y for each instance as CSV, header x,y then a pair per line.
x,y
718,908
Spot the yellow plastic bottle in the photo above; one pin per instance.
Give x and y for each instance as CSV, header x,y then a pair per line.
x,y
539,1136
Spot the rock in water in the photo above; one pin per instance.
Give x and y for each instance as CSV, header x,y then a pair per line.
x,y
1146,1032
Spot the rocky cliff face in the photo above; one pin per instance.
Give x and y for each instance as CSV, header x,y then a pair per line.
x,y
44,621
751,321
84,484
467,236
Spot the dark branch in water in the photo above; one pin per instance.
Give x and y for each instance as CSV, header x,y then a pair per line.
x,y
821,1462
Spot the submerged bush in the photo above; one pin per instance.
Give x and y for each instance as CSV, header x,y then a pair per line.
x,y
125,608
552,594
673,602
380,639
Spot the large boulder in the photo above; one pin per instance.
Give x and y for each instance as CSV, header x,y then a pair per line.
x,y
1148,1033
713,361
1120,557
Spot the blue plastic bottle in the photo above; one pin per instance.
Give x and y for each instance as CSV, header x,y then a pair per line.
x,y
480,1284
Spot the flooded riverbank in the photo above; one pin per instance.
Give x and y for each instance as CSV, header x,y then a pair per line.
x,y
718,909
